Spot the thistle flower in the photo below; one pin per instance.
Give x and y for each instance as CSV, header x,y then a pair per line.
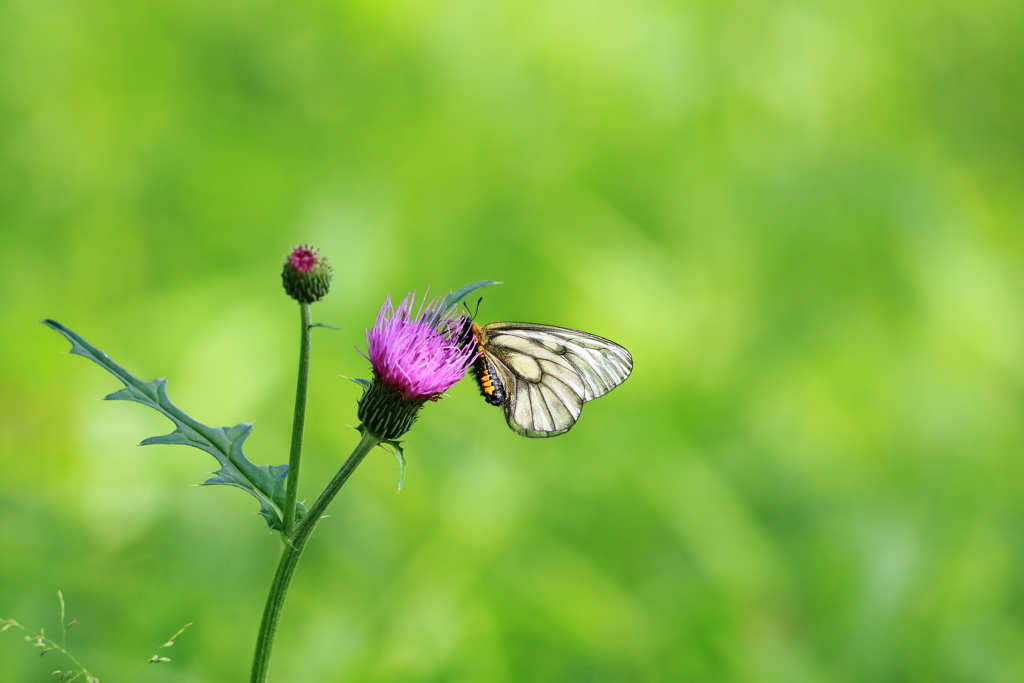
x,y
306,275
416,357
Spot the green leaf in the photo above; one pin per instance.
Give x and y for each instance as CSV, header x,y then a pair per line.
x,y
265,483
364,383
453,299
402,464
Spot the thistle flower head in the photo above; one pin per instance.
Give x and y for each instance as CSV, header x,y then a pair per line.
x,y
416,357
306,275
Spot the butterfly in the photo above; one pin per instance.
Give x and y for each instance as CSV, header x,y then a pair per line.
x,y
542,374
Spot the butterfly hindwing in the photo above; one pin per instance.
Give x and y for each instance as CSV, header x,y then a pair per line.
x,y
549,372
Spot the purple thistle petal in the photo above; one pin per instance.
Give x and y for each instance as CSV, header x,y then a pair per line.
x,y
419,360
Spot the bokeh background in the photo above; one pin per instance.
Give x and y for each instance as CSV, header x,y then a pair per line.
x,y
804,218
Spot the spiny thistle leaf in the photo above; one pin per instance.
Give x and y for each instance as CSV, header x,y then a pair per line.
x,y
265,483
454,298
402,463
399,453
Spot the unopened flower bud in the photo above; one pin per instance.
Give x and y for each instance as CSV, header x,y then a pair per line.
x,y
306,275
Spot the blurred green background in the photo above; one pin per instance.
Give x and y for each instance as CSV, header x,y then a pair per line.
x,y
803,218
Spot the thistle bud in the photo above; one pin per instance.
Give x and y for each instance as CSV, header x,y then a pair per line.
x,y
306,275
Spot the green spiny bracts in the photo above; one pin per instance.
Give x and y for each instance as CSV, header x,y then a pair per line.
x,y
306,275
385,413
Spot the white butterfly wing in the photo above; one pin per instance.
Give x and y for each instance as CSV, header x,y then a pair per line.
x,y
550,372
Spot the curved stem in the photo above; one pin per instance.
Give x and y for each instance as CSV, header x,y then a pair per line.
x,y
290,558
298,422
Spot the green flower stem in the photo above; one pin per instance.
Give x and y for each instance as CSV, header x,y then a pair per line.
x,y
290,558
298,422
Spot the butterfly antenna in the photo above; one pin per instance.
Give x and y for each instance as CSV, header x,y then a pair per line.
x,y
473,314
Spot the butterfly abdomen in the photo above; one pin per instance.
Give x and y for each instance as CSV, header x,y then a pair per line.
x,y
490,385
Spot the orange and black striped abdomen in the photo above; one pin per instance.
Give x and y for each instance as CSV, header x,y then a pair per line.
x,y
491,387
